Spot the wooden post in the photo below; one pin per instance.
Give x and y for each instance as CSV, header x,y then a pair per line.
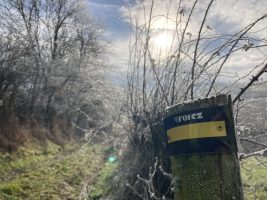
x,y
205,165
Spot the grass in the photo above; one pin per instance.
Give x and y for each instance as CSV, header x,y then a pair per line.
x,y
254,176
100,189
50,172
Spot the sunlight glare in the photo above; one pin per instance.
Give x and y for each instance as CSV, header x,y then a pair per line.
x,y
163,41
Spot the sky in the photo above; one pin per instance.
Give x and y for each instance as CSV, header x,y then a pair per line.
x,y
225,17
109,14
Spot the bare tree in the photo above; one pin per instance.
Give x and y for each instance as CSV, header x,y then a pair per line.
x,y
51,60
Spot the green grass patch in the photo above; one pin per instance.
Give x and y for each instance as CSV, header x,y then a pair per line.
x,y
101,187
48,172
254,177
51,172
11,189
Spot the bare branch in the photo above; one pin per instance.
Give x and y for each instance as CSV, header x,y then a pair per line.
x,y
254,78
257,153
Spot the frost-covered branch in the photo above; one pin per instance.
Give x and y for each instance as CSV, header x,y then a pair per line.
x,y
256,153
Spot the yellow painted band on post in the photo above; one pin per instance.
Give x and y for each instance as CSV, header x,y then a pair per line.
x,y
197,130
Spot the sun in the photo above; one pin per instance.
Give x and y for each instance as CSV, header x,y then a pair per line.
x,y
163,41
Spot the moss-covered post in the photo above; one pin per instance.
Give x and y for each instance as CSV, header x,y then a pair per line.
x,y
202,143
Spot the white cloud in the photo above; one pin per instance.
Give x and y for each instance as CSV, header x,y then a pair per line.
x,y
225,17
118,54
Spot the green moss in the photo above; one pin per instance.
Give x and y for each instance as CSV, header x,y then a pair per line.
x,y
206,177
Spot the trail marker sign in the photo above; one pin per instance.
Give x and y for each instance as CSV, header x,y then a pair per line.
x,y
200,137
196,130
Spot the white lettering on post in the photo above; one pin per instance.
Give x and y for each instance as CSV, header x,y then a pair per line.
x,y
188,117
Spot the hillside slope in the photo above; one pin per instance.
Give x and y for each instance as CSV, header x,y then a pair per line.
x,y
50,172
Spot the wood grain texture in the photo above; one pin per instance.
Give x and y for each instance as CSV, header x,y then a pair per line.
x,y
206,176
